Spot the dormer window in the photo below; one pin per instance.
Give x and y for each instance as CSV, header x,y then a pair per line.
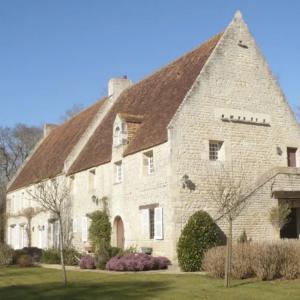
x,y
118,136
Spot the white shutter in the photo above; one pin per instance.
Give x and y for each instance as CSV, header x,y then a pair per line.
x,y
75,225
17,237
158,223
8,236
145,225
45,236
84,229
26,241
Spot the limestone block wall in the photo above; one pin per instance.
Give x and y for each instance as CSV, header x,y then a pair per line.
x,y
126,198
237,81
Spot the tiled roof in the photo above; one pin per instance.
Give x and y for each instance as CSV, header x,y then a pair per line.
x,y
156,98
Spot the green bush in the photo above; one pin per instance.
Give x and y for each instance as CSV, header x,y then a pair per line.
x,y
100,229
115,251
25,261
6,254
199,234
72,257
52,256
102,254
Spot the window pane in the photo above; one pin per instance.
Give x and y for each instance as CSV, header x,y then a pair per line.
x,y
151,221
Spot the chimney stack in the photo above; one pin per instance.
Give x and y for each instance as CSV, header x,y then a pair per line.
x,y
117,85
48,128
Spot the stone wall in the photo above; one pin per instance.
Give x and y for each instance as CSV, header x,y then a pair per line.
x,y
235,82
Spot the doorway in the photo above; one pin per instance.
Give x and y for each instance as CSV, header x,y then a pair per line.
x,y
291,229
119,232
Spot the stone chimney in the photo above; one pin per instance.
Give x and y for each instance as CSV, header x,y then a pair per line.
x,y
117,85
48,128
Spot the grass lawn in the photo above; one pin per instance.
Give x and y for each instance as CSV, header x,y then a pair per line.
x,y
38,283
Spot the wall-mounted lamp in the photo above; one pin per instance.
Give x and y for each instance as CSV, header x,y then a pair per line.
x,y
95,199
187,183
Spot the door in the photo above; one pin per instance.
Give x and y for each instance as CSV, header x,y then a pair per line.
x,y
289,230
120,233
291,157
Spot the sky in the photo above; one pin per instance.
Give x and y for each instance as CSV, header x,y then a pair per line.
x,y
57,53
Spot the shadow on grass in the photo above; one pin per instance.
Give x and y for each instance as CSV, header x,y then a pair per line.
x,y
106,290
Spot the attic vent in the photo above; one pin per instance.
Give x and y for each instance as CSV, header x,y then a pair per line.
x,y
240,43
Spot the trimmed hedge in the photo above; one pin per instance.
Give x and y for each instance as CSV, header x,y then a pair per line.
x,y
199,234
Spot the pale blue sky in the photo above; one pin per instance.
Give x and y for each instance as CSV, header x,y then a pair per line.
x,y
56,53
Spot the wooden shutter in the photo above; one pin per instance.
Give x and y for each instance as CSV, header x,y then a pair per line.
x,y
84,229
145,225
158,223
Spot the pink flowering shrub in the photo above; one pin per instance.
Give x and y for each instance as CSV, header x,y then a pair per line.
x,y
137,262
87,262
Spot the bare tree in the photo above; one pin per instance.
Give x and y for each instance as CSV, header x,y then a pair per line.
x,y
71,112
228,191
53,195
279,215
28,213
15,145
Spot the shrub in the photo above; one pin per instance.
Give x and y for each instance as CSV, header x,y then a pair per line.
x,y
266,261
6,254
115,251
51,256
87,262
214,261
102,254
242,259
25,261
71,256
137,262
34,252
100,229
199,234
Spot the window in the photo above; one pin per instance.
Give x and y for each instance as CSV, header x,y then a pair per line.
x,y
91,185
118,136
291,157
148,163
215,150
118,172
152,222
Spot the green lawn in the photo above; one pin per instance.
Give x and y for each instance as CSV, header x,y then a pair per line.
x,y
38,283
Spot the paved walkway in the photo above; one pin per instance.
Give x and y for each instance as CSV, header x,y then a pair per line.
x,y
173,270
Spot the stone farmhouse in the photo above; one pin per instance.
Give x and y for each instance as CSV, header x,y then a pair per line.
x,y
148,147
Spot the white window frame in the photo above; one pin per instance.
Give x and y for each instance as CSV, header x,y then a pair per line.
x,y
216,150
148,162
158,223
118,171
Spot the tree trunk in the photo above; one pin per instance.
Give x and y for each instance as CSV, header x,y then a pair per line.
x,y
28,229
228,255
61,246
